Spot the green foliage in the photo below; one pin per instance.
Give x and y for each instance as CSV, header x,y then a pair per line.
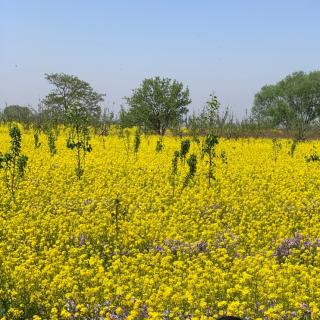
x,y
36,138
212,107
126,138
79,140
78,105
293,103
174,163
276,148
210,120
174,170
22,164
107,120
13,163
137,141
52,138
16,113
184,149
159,145
197,126
223,157
210,143
157,104
293,147
73,99
192,163
314,156
120,131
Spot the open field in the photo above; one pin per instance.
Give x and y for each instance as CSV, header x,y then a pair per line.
x,y
122,244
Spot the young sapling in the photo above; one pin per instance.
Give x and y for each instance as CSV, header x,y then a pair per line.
x,y
192,163
210,143
13,162
184,149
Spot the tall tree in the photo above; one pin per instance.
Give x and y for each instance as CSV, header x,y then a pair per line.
x,y
157,104
72,98
79,106
293,103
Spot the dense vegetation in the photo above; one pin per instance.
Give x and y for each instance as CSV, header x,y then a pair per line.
x,y
293,103
290,108
152,214
167,234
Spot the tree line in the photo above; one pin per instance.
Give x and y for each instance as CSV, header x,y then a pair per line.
x,y
291,106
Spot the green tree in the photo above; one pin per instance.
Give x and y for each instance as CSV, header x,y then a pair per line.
x,y
157,104
73,99
212,111
16,113
293,103
210,120
79,106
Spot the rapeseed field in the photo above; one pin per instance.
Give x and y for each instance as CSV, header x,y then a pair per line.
x,y
130,241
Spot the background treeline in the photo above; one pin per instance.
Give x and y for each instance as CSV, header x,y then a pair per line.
x,y
289,108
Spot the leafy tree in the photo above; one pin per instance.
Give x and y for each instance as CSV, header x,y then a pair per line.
x,y
78,104
16,113
293,103
212,109
73,99
49,116
157,104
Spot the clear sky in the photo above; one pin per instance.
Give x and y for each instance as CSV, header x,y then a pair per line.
x,y
230,46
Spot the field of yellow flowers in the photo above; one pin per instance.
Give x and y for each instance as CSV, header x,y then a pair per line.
x,y
120,243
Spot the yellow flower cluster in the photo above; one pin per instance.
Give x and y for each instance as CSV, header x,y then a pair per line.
x,y
125,242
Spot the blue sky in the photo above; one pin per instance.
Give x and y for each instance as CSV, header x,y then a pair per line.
x,y
231,47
